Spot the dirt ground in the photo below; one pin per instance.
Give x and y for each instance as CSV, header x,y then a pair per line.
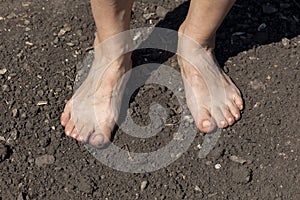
x,y
41,44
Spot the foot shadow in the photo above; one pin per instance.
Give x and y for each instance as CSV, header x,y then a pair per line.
x,y
249,24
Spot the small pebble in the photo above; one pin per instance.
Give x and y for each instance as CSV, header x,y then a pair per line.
x,y
144,185
285,41
269,9
44,160
237,159
3,71
218,166
161,11
15,112
3,152
11,15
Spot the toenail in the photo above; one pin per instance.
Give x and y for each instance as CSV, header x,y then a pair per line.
x,y
99,138
74,135
230,119
223,123
236,116
206,124
67,132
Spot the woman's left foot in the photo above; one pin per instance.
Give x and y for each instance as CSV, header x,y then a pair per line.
x,y
212,97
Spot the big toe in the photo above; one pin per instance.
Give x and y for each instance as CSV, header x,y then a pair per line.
x,y
100,137
206,123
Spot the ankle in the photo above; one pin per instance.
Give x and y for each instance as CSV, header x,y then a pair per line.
x,y
205,41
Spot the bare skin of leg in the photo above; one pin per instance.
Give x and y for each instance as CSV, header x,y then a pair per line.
x,y
212,97
90,115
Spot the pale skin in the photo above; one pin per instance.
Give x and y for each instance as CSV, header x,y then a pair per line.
x,y
89,117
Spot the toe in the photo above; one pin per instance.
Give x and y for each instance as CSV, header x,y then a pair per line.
x,y
69,127
220,118
239,102
64,119
100,137
75,133
85,133
228,116
234,110
205,123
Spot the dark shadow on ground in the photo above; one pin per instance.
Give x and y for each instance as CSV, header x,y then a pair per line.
x,y
248,25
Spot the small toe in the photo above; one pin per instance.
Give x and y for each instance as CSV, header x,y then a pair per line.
x,y
229,117
235,111
220,118
69,127
75,133
64,119
85,133
239,102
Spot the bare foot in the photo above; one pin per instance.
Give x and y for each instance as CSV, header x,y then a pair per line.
x,y
90,115
212,97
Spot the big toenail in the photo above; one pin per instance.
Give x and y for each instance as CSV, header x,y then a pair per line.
x,y
99,138
206,123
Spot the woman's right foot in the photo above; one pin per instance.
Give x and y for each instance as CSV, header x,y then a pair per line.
x,y
90,115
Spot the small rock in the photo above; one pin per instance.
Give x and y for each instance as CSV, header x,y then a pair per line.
x,y
241,175
85,185
2,138
70,44
26,22
64,30
11,15
41,103
3,152
161,11
5,88
20,196
269,9
144,185
15,112
237,159
44,160
13,135
285,41
148,16
218,166
3,71
178,136
29,43
256,84
56,40
284,5
262,27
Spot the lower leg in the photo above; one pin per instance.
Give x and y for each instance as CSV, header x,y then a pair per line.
x,y
204,18
111,17
212,97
